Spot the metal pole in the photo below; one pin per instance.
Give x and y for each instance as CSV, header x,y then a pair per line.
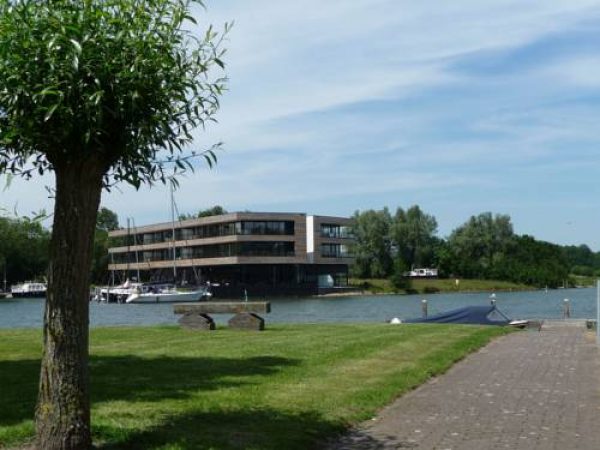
x,y
424,308
137,258
128,245
173,233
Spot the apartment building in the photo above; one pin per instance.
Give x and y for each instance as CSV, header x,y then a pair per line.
x,y
259,253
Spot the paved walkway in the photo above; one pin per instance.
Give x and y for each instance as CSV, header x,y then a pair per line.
x,y
528,390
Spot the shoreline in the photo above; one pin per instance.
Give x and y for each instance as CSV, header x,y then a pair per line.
x,y
367,293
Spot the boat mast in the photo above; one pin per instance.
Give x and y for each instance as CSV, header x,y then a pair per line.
x,y
135,243
128,246
173,232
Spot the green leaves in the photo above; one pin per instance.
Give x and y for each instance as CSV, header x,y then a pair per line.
x,y
50,112
77,46
123,81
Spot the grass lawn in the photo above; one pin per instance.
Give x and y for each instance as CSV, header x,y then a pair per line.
x,y
432,285
288,387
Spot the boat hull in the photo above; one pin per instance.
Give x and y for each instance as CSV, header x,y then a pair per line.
x,y
31,294
167,297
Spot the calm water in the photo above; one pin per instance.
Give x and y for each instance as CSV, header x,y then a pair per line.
x,y
519,305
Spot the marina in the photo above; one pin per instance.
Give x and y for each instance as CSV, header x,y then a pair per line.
x,y
28,313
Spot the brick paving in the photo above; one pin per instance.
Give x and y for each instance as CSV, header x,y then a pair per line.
x,y
528,390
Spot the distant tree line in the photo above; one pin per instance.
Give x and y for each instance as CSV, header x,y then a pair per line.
x,y
485,246
23,249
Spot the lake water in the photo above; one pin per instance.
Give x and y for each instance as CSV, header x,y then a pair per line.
x,y
27,313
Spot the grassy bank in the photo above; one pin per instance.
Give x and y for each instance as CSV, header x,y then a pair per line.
x,y
583,281
428,286
287,387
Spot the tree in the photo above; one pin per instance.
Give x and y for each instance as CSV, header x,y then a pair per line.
x,y
23,249
107,220
477,244
371,248
216,210
533,262
413,236
96,91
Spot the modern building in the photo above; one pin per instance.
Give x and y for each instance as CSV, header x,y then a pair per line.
x,y
260,253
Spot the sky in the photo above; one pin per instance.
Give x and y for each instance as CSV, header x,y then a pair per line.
x,y
460,107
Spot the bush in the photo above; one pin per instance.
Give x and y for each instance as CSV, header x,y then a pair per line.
x,y
585,271
398,280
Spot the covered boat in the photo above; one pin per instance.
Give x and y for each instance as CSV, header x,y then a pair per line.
x,y
477,315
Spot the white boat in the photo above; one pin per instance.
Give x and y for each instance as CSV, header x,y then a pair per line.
x,y
120,293
169,295
29,289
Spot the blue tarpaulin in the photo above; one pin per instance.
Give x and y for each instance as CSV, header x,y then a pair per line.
x,y
482,315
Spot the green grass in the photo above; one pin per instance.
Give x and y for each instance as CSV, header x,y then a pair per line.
x,y
583,280
427,286
287,387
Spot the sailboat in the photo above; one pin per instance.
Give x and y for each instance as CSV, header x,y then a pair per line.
x,y
170,294
167,294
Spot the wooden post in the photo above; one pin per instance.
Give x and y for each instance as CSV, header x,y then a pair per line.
x,y
566,309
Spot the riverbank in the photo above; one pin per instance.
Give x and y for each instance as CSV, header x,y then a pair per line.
x,y
375,286
163,387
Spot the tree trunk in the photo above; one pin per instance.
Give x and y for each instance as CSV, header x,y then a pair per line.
x,y
63,409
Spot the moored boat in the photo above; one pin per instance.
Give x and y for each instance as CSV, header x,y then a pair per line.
x,y
120,293
169,295
29,289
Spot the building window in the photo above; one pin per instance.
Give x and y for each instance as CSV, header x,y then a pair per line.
x,y
332,230
334,251
278,249
262,228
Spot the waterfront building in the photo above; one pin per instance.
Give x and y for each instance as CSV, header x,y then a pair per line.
x,y
259,253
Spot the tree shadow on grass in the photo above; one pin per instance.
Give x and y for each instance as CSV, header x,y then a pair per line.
x,y
265,429
131,378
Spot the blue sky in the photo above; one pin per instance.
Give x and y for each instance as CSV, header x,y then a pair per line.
x,y
460,107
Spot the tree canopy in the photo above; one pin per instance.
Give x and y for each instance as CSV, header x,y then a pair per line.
x,y
216,210
107,220
23,249
372,247
115,81
413,236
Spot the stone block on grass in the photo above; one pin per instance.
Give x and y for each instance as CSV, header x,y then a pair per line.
x,y
197,321
247,321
